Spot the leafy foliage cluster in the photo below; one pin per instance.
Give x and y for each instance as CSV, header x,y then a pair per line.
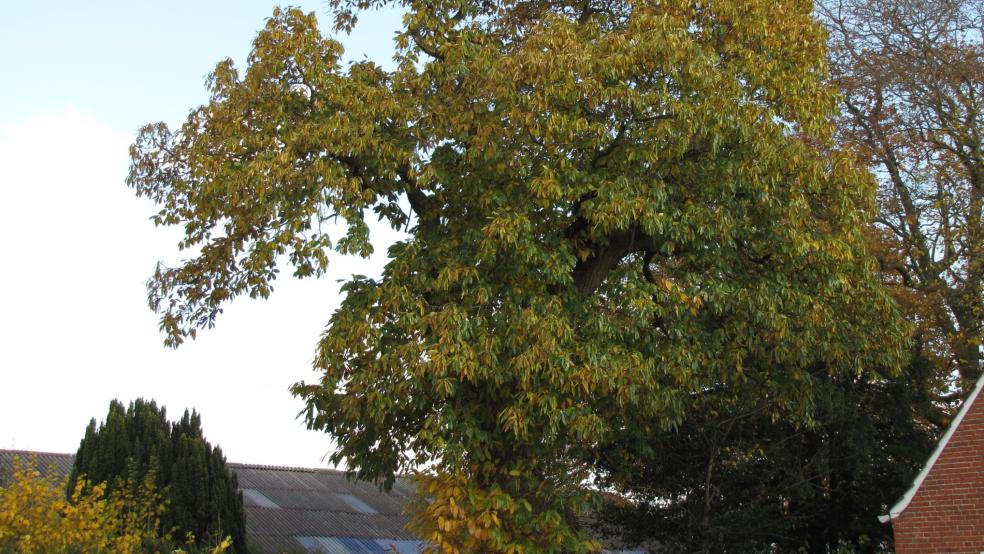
x,y
616,209
36,516
732,479
911,81
134,443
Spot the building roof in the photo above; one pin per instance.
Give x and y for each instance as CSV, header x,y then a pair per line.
x,y
906,499
295,509
291,509
311,509
45,462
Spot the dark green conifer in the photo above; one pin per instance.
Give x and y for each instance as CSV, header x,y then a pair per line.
x,y
202,494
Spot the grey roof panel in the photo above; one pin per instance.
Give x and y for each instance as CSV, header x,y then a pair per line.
x,y
254,497
357,503
323,545
313,523
306,500
274,544
349,545
47,463
402,547
362,546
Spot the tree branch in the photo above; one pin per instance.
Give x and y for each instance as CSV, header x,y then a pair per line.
x,y
420,203
590,273
423,47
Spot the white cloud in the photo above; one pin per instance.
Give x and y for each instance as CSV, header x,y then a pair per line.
x,y
75,331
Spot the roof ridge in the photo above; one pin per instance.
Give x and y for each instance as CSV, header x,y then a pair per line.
x,y
36,452
238,465
234,465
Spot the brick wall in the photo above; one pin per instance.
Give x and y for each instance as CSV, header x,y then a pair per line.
x,y
946,515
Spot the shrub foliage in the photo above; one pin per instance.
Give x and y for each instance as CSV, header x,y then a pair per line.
x,y
201,493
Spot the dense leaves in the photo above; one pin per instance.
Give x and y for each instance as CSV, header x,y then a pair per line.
x,y
201,494
612,206
36,516
732,479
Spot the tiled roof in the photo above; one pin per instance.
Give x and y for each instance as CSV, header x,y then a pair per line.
x,y
45,462
293,508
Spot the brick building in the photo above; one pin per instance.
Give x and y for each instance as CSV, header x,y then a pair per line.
x,y
943,511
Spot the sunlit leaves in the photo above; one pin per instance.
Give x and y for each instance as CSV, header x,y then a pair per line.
x,y
612,206
37,517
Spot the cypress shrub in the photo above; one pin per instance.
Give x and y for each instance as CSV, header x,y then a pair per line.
x,y
201,493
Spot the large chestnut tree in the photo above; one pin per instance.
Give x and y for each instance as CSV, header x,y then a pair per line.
x,y
612,206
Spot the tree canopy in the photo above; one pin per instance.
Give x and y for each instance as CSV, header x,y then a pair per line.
x,y
613,207
201,495
912,76
731,479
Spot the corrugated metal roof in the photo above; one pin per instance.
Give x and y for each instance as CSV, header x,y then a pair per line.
x,y
326,545
357,503
322,509
402,547
347,545
257,498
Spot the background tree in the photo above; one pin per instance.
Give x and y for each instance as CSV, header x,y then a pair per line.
x,y
611,206
731,478
912,75
202,495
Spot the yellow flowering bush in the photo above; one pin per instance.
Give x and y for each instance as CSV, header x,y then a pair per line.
x,y
36,516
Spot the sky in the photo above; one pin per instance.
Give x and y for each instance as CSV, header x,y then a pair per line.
x,y
78,80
